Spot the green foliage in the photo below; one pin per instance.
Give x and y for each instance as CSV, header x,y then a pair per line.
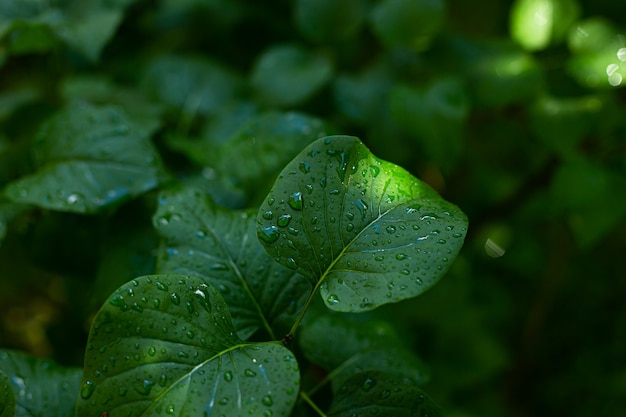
x,y
184,232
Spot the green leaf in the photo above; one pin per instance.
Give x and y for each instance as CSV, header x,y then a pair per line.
x,y
7,397
266,144
371,394
347,344
7,212
327,21
363,230
536,24
89,158
165,344
40,387
34,24
192,84
288,75
407,23
220,246
434,116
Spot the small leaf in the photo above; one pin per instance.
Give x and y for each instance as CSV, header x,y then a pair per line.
x,y
267,143
368,232
193,85
40,387
287,75
535,24
371,394
407,23
89,158
347,344
165,344
7,397
220,246
329,21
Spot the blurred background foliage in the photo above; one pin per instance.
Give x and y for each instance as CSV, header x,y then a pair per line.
x,y
513,110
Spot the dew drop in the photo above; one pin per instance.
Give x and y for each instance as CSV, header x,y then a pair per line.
x,y
161,286
162,380
267,400
218,267
405,272
323,182
374,170
401,256
305,167
269,234
170,409
249,373
283,221
267,215
457,235
271,201
368,384
228,376
87,389
295,200
175,298
349,227
291,263
390,229
362,206
151,351
332,299
145,387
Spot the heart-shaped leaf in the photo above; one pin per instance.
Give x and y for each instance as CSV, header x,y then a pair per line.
x,y
7,397
165,345
219,245
89,158
372,394
364,230
40,388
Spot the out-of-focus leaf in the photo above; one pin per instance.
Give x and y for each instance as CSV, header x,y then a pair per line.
x,y
193,85
327,21
220,246
33,25
288,75
435,117
7,212
40,387
371,394
500,73
363,230
536,24
408,23
561,123
89,158
348,344
165,344
599,59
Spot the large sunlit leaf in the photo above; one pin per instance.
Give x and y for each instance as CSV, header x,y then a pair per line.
x,y
7,397
364,230
372,394
40,388
165,345
89,158
220,246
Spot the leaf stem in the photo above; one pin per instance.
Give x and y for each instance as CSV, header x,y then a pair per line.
x,y
307,303
310,402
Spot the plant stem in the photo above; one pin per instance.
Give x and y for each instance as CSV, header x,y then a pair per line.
x,y
307,303
310,402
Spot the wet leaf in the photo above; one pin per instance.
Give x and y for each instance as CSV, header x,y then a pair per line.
x,y
89,158
370,394
220,246
7,397
363,230
287,75
40,388
347,344
165,344
264,145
